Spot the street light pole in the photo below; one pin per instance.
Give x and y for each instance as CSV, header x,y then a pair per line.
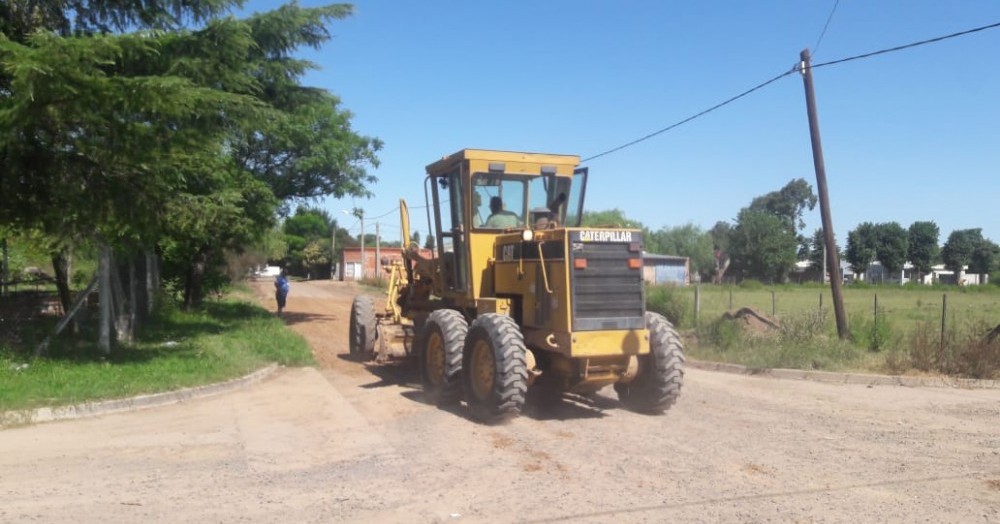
x,y
360,214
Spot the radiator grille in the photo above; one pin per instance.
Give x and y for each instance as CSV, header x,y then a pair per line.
x,y
607,294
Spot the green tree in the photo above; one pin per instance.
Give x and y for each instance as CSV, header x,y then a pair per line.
x,y
609,218
720,235
762,246
923,246
892,246
984,259
861,247
430,243
788,203
689,241
110,136
958,249
817,249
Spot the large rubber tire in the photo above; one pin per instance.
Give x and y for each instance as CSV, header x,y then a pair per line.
x,y
661,372
362,329
495,372
442,340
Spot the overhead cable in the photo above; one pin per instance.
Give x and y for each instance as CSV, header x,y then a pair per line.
x,y
825,26
907,46
692,117
796,68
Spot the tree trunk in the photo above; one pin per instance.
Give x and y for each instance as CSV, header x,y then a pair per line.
x,y
61,266
195,278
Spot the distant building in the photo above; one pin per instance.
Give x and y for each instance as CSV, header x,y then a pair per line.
x,y
877,274
666,269
349,265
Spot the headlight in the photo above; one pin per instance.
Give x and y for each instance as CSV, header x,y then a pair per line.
x,y
527,235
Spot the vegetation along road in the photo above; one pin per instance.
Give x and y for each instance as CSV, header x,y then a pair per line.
x,y
345,442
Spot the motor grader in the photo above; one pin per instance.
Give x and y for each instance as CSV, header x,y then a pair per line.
x,y
517,291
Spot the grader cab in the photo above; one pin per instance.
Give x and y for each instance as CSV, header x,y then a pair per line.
x,y
517,292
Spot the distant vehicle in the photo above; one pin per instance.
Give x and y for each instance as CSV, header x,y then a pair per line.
x,y
268,272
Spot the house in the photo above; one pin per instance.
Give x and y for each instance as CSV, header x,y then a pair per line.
x,y
877,274
350,267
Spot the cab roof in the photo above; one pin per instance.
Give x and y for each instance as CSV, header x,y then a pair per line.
x,y
522,160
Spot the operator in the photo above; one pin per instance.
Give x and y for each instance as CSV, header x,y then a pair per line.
x,y
500,217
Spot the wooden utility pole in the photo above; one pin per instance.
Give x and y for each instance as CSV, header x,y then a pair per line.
x,y
832,257
333,249
378,252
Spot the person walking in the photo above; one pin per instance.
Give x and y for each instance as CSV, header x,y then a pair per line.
x,y
281,289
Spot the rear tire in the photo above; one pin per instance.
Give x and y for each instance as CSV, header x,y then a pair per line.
x,y
495,372
362,328
443,336
661,372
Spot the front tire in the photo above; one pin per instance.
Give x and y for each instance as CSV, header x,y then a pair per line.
x,y
443,337
661,372
362,328
495,371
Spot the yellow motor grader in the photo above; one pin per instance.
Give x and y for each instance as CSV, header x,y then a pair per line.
x,y
517,290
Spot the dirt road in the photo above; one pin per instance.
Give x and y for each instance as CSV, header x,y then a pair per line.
x,y
348,443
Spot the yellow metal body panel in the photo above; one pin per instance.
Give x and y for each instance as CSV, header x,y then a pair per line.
x,y
478,160
481,244
499,306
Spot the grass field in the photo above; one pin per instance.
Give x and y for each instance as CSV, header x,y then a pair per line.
x,y
906,337
223,340
904,307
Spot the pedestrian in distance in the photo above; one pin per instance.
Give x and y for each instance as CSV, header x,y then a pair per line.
x,y
281,289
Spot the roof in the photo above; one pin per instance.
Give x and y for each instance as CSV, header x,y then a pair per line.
x,y
502,156
665,258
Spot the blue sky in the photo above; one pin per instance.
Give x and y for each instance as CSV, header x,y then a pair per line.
x,y
907,136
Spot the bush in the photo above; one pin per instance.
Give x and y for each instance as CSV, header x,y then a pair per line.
x,y
875,334
668,301
722,334
803,328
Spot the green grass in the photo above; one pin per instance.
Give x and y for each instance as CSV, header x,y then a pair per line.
x,y
223,340
904,307
905,338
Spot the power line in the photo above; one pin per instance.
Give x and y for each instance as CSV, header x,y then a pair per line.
x,y
907,46
825,26
794,69
692,117
387,213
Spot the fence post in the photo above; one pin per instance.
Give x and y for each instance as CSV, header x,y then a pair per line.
x,y
697,303
774,305
944,314
730,299
876,311
821,303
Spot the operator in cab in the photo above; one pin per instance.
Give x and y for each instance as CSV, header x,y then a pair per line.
x,y
500,218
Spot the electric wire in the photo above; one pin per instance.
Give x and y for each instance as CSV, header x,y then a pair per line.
x,y
795,69
692,117
825,26
907,46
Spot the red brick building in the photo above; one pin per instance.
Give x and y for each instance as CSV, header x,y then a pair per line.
x,y
349,265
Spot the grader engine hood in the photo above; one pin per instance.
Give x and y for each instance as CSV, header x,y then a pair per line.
x,y
594,276
606,279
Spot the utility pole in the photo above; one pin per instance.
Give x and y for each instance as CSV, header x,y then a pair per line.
x,y
378,252
361,216
333,249
832,257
